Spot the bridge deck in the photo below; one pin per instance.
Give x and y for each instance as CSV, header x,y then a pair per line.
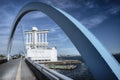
x,y
16,70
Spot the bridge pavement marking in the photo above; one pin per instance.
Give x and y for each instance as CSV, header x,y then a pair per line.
x,y
18,76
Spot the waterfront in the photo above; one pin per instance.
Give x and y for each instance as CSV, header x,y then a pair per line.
x,y
81,72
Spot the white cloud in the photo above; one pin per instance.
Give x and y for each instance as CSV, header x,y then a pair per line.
x,y
114,9
90,4
7,16
35,15
92,21
6,20
54,29
61,38
63,4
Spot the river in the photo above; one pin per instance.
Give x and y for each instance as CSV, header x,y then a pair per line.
x,y
81,72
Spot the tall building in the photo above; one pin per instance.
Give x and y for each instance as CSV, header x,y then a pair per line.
x,y
37,46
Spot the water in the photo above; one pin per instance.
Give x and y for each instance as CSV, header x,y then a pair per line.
x,y
79,73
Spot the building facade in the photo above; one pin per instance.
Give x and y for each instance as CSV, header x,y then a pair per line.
x,y
37,46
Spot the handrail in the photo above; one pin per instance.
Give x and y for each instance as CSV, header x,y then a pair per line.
x,y
51,74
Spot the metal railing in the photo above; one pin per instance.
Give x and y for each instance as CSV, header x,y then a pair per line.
x,y
50,74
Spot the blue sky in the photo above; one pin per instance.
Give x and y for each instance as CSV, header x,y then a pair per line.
x,y
101,17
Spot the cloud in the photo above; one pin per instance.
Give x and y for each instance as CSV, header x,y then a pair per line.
x,y
63,4
114,9
92,21
99,17
35,15
17,47
90,4
58,38
55,28
3,44
7,14
90,11
6,19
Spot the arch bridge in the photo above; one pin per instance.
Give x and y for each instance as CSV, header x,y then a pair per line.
x,y
101,63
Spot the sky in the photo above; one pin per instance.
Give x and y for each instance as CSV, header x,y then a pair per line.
x,y
101,17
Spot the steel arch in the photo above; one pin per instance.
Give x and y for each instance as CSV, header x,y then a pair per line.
x,y
100,62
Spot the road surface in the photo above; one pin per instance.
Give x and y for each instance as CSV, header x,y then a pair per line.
x,y
15,70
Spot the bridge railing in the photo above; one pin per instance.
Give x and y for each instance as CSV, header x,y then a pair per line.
x,y
43,72
3,61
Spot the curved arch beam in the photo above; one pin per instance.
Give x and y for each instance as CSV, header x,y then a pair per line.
x,y
101,63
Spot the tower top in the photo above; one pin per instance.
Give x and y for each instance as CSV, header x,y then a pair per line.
x,y
36,38
34,28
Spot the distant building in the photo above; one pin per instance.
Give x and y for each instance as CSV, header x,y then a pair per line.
x,y
37,46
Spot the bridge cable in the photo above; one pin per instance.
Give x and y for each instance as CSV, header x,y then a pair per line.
x,y
23,40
